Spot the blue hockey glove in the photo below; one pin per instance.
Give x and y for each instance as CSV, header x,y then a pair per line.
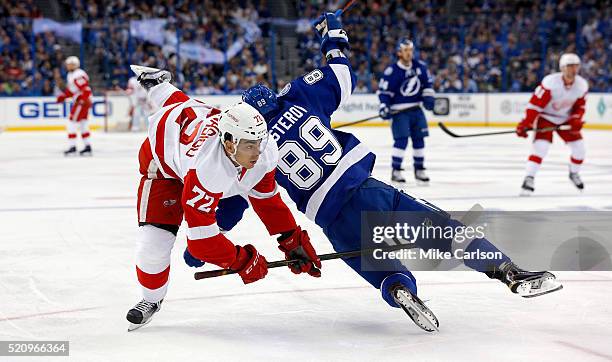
x,y
428,103
384,112
191,260
332,36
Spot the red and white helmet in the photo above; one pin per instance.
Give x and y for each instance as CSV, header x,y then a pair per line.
x,y
242,121
568,59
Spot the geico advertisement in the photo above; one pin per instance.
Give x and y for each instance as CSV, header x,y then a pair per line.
x,y
485,109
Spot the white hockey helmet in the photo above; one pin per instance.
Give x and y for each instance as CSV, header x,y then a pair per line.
x,y
242,121
567,59
73,60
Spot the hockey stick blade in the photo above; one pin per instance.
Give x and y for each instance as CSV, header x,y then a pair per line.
x,y
454,135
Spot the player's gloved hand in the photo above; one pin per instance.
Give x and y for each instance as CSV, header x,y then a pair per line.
x,y
384,112
191,260
576,124
428,103
62,97
296,246
332,36
250,265
521,129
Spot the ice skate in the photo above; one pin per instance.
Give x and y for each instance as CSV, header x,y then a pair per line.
x,y
421,177
398,176
85,151
575,178
71,151
150,77
415,308
525,283
528,186
142,313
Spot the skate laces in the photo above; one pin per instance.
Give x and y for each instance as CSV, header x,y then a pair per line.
x,y
144,306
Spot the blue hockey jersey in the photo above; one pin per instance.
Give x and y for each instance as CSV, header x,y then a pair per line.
x,y
404,87
318,166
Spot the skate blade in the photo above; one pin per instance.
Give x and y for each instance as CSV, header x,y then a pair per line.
x,y
525,193
540,286
422,183
417,311
139,69
134,326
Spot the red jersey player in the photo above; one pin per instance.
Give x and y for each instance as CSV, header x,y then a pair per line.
x,y
559,99
195,157
77,88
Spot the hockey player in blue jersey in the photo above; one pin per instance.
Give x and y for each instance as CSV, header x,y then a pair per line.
x,y
401,90
326,172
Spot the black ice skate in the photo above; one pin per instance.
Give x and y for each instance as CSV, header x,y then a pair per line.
x,y
528,186
415,308
85,151
525,283
142,313
398,176
421,177
575,178
70,152
150,77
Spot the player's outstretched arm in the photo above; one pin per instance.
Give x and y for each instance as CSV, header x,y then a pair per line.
x,y
329,86
204,239
278,219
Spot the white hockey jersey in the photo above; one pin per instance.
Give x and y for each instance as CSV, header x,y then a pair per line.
x,y
136,92
556,102
185,143
78,85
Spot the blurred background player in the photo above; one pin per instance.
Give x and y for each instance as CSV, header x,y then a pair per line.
x,y
139,107
559,100
194,157
403,87
77,88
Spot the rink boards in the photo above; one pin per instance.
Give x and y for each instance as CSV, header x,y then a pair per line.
x,y
478,109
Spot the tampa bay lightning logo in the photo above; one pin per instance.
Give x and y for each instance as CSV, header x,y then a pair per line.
x,y
410,87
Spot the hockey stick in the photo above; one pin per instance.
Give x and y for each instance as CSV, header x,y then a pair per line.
x,y
370,118
467,219
453,134
280,263
346,6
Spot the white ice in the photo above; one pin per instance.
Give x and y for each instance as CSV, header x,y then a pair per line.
x,y
67,229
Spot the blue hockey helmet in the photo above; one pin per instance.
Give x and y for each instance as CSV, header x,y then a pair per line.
x,y
262,98
404,42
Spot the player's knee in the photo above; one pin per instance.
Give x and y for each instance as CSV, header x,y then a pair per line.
x,y
401,143
154,245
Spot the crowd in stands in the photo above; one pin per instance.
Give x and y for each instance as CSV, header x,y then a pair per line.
x,y
495,46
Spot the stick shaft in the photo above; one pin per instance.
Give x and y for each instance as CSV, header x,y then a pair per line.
x,y
453,134
281,263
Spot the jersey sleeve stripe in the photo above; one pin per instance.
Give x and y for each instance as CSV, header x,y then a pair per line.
x,y
353,156
343,75
202,232
263,195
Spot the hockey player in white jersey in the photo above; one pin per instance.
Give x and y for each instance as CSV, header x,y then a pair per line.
x,y
559,100
139,107
196,156
77,89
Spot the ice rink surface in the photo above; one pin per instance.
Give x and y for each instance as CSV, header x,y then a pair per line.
x,y
67,230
